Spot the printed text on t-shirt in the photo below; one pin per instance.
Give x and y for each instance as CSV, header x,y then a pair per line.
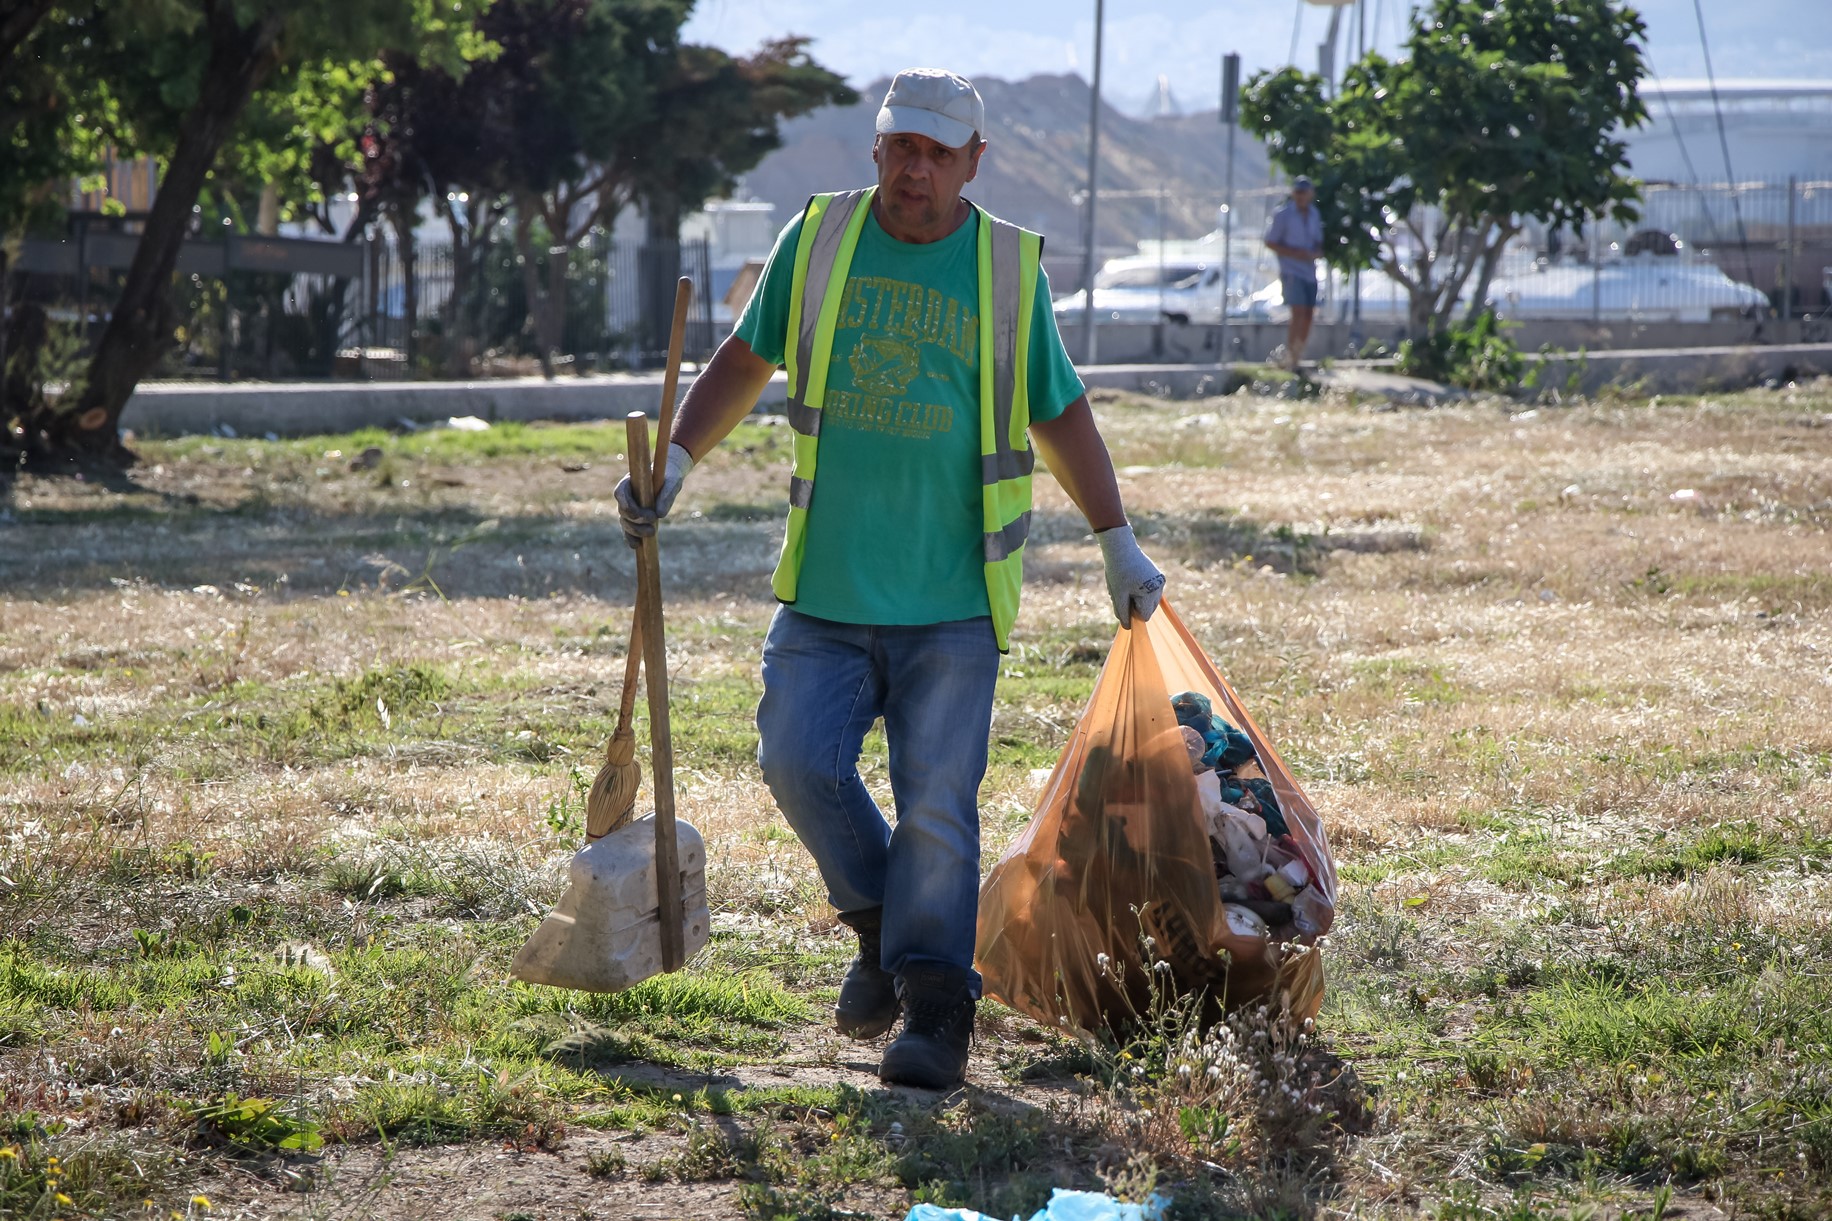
x,y
895,321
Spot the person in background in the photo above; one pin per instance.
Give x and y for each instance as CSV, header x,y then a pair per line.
x,y
1296,236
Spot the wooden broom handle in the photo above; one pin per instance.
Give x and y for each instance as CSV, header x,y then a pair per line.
x,y
677,338
655,647
632,664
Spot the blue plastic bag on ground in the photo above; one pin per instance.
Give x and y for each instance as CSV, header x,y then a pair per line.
x,y
1063,1206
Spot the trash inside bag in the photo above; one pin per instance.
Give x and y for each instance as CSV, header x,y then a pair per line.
x,y
1170,838
1063,1206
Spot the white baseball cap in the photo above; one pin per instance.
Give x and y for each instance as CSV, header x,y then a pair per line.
x,y
930,102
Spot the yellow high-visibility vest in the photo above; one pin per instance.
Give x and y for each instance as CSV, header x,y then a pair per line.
x,y
1009,261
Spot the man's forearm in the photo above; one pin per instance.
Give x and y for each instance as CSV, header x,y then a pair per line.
x,y
1077,456
721,396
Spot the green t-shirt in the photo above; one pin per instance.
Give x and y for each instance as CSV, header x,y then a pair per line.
x,y
894,530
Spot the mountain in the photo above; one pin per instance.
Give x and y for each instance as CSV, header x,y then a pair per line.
x,y
1036,164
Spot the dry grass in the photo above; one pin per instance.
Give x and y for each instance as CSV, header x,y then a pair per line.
x,y
1569,732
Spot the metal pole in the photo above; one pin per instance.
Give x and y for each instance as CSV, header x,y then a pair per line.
x,y
1787,259
1230,114
6,295
1361,42
1160,202
1596,272
1087,257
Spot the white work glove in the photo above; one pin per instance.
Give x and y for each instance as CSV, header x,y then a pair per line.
x,y
1133,581
639,521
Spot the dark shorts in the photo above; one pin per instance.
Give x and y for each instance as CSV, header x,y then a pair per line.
x,y
1299,290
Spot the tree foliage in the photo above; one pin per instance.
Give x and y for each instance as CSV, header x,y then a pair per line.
x,y
173,79
559,113
586,107
1427,165
713,119
542,125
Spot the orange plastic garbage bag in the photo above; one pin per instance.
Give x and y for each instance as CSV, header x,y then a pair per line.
x,y
1115,877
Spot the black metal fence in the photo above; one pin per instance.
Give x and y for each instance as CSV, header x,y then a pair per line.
x,y
280,308
614,307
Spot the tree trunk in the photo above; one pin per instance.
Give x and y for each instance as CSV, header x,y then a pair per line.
x,y
6,298
457,325
410,287
327,309
140,328
559,262
660,268
531,283
17,20
1491,258
1421,308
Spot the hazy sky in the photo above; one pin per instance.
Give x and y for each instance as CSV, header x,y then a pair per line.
x,y
1184,39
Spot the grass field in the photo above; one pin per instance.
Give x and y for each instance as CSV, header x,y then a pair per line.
x,y
293,740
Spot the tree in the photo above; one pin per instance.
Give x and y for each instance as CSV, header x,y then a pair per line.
x,y
1425,167
178,87
52,133
714,118
543,124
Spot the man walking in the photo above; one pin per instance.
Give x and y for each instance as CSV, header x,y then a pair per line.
x,y
922,358
1296,236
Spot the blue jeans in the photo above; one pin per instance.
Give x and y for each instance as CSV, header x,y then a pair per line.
x,y
824,685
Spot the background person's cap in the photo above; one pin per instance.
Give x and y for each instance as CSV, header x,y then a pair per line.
x,y
930,102
1302,183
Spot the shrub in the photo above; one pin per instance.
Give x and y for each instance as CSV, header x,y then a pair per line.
x,y
1477,355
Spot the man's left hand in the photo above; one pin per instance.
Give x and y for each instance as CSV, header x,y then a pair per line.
x,y
1133,582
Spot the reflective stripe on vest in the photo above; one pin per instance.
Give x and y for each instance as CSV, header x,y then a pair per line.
x,y
1008,259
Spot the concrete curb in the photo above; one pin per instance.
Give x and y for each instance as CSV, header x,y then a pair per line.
x,y
292,409
1682,370
298,409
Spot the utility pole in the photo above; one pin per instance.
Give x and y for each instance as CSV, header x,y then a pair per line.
x,y
1361,43
1230,114
1087,258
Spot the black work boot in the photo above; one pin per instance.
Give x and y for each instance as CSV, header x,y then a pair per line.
x,y
868,994
931,1052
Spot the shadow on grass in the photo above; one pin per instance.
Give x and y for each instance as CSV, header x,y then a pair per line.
x,y
725,551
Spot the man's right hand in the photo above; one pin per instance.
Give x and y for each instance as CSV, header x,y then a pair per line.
x,y
639,520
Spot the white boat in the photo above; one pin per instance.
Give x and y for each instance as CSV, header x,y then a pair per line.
x,y
1641,288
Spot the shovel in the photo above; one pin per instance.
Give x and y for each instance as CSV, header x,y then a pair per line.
x,y
635,905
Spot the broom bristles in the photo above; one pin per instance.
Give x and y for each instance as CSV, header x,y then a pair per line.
x,y
612,800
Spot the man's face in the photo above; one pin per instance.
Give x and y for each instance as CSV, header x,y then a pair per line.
x,y
1303,197
920,180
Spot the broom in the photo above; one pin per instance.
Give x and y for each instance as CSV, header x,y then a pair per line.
x,y
612,800
593,939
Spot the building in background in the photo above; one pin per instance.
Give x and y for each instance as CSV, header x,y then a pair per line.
x,y
1776,130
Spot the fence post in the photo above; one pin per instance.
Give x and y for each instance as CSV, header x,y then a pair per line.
x,y
1787,255
1596,273
703,273
1230,114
